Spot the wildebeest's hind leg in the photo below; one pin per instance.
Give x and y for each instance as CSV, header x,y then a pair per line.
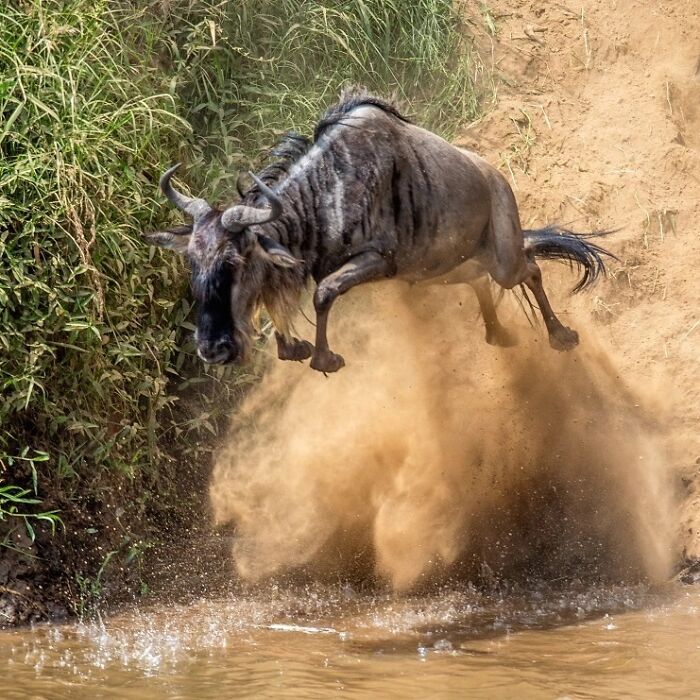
x,y
509,264
496,334
560,337
476,277
362,268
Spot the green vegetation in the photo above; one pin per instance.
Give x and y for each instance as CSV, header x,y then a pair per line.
x,y
250,70
13,503
100,389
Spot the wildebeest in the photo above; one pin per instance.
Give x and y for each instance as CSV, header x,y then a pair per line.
x,y
373,196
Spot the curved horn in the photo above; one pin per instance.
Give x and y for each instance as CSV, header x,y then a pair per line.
x,y
196,208
275,201
236,218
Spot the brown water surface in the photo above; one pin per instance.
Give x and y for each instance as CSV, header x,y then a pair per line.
x,y
320,641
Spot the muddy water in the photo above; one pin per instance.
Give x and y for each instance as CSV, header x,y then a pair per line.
x,y
319,642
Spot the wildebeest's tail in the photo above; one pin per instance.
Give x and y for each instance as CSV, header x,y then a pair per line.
x,y
556,243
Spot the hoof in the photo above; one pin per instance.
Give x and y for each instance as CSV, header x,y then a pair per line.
x,y
563,339
293,349
500,337
327,362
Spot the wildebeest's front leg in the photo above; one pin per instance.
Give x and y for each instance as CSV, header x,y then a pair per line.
x,y
362,268
289,348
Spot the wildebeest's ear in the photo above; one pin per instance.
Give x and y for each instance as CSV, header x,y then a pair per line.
x,y
176,238
277,253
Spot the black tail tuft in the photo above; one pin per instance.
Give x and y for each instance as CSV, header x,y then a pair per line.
x,y
556,243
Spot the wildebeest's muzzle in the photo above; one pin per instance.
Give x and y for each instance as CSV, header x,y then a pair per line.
x,y
221,351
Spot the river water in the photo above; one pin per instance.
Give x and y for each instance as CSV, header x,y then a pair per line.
x,y
322,641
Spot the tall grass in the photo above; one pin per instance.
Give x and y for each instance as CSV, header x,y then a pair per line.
x,y
88,320
97,97
249,70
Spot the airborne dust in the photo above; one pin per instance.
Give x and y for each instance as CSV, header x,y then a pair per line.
x,y
433,455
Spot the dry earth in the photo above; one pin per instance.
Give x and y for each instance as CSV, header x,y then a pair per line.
x,y
597,124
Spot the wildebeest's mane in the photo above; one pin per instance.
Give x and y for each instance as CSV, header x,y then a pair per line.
x,y
292,146
287,151
350,99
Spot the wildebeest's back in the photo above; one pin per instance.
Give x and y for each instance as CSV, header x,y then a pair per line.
x,y
375,182
431,202
450,211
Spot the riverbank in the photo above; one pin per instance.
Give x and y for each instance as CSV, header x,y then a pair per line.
x,y
108,419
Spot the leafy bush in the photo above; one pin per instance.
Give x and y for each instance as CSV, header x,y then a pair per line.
x,y
87,318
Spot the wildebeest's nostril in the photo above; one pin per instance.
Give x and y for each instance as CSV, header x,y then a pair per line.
x,y
221,351
222,345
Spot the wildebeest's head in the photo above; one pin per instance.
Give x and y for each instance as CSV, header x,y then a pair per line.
x,y
228,258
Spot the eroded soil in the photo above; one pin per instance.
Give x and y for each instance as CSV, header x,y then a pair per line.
x,y
597,125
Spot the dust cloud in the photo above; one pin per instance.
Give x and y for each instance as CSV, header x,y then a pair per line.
x,y
435,456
